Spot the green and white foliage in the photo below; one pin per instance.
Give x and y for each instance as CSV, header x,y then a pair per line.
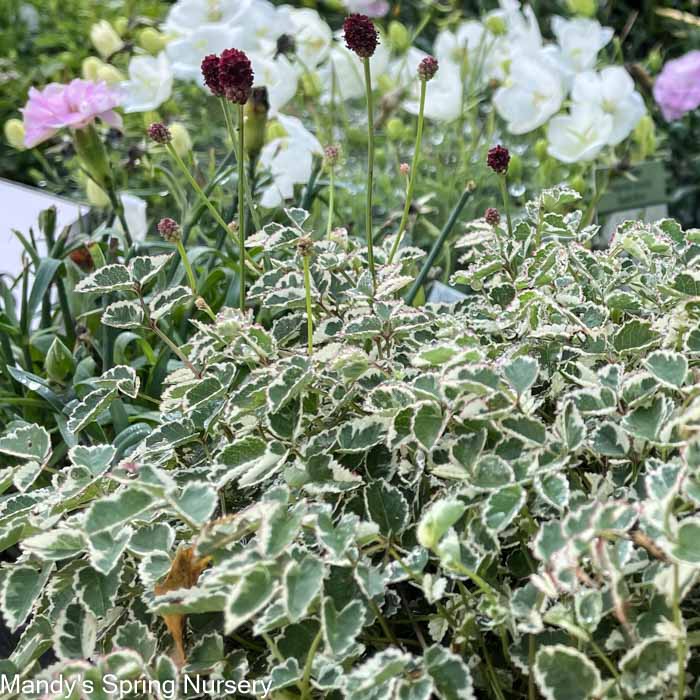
x,y
492,499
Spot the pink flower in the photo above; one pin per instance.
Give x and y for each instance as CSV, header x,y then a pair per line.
x,y
74,105
371,8
677,89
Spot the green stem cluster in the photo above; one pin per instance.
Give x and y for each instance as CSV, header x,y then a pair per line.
x,y
412,176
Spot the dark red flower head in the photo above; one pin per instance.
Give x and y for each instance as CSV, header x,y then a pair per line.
x,y
498,159
169,229
360,35
210,71
427,68
492,216
160,133
235,75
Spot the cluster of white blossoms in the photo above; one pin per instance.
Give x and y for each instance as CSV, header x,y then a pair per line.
x,y
535,79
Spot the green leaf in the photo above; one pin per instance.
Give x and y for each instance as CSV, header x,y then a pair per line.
x,y
75,634
451,676
427,424
288,385
123,314
21,587
360,434
633,336
647,422
106,548
27,442
110,278
570,426
136,636
502,506
687,544
301,584
610,441
250,460
438,519
649,666
521,373
90,408
280,526
118,509
528,429
563,673
196,503
56,544
341,627
164,302
248,597
387,507
96,591
144,268
554,489
670,368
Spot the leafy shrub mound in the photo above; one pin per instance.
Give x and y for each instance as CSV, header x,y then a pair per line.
x,y
494,499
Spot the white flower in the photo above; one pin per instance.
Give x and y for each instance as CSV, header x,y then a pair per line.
x,y
186,16
443,99
349,72
150,83
580,135
135,215
312,36
187,52
579,41
613,91
531,94
371,8
289,160
279,76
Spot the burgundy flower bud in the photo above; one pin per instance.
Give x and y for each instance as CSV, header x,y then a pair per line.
x,y
360,35
286,46
493,218
331,155
169,229
235,75
210,71
497,159
427,68
159,133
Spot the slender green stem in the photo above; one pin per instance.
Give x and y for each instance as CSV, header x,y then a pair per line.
x,y
531,649
241,208
678,621
503,184
175,349
412,177
331,192
437,246
306,678
309,314
370,171
187,266
246,183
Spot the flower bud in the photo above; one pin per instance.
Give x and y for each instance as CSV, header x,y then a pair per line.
x,y
492,216
496,24
93,155
159,133
96,196
655,60
578,182
427,68
105,39
541,149
331,155
210,73
256,120
151,40
311,84
305,246
515,167
59,361
121,25
497,159
109,74
169,230
182,143
644,137
89,68
399,37
404,169
394,129
585,8
360,34
14,133
275,131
